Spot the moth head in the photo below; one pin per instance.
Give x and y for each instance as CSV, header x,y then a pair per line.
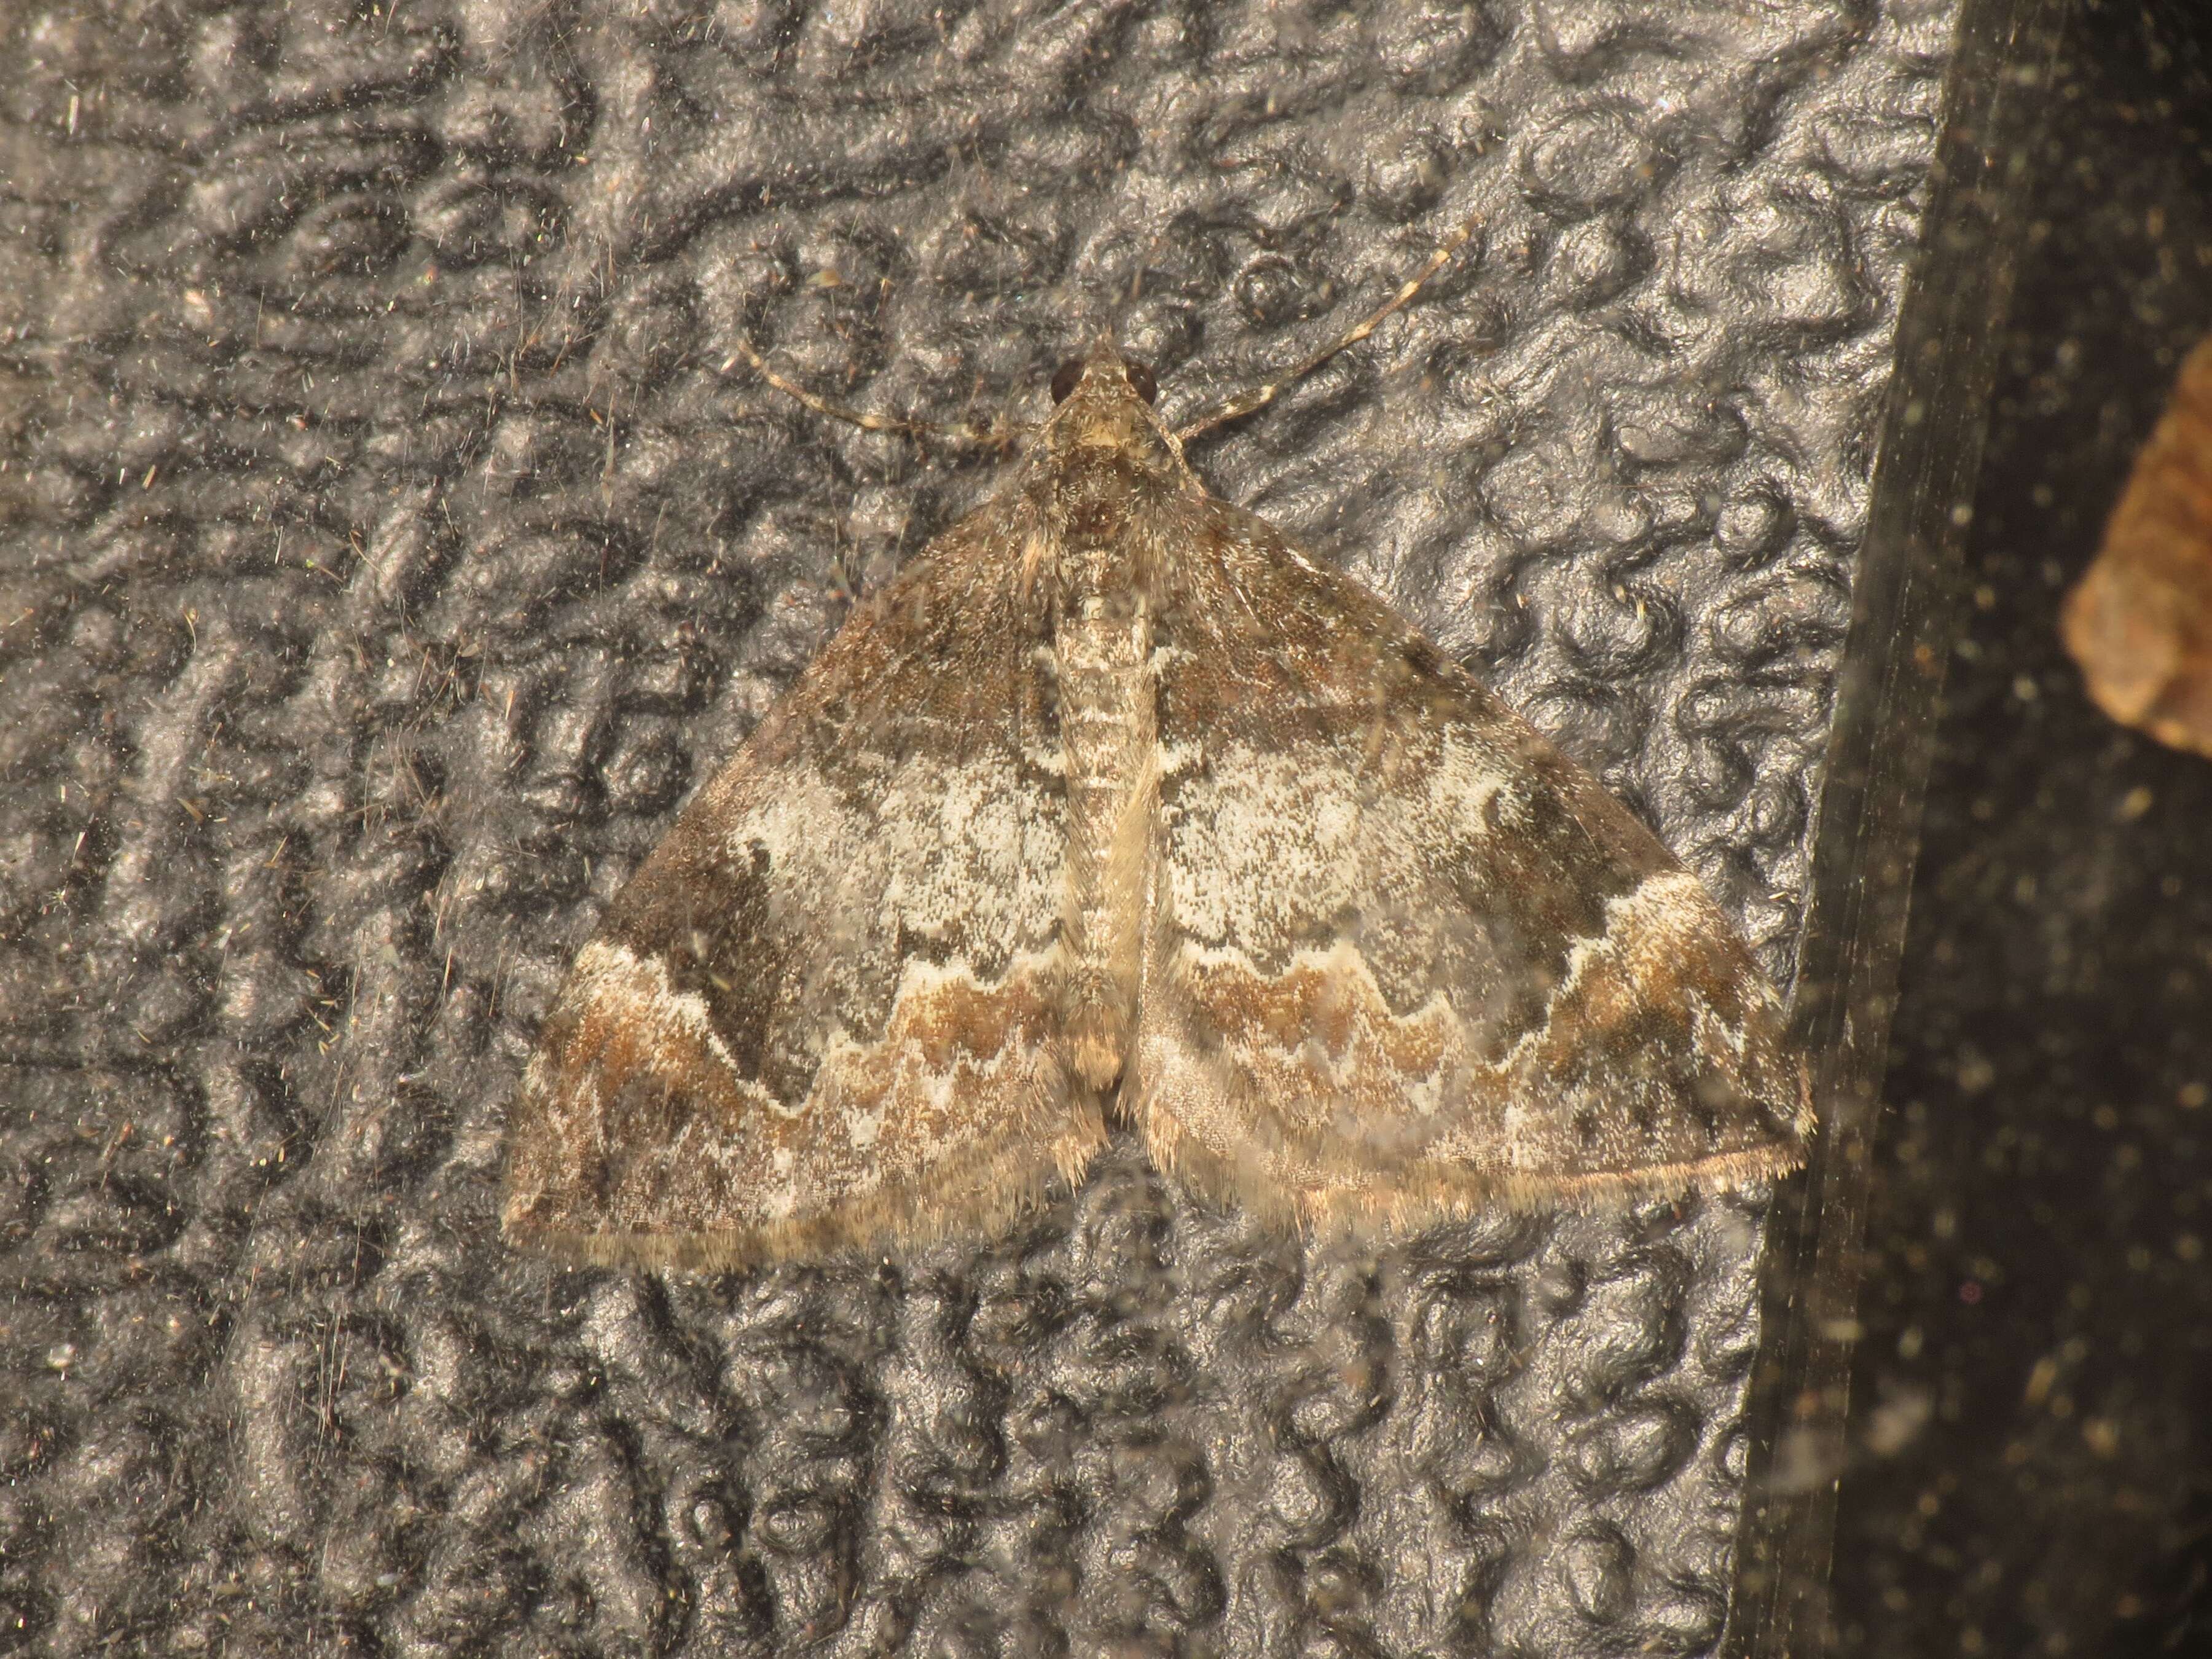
x,y
1136,376
1105,405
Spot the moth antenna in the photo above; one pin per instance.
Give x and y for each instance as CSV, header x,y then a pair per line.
x,y
997,435
1259,397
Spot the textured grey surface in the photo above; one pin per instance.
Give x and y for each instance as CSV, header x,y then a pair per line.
x,y
385,557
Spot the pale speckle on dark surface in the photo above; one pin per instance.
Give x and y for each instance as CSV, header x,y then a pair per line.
x,y
384,560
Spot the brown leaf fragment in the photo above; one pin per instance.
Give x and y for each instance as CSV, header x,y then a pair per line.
x,y
2139,622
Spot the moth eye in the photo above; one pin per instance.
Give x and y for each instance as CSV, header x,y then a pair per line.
x,y
1141,379
1065,379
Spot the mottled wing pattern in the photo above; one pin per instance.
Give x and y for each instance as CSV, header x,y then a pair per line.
x,y
823,1012
1403,957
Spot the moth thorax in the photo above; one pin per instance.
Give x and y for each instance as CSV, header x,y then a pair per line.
x,y
1098,502
1102,648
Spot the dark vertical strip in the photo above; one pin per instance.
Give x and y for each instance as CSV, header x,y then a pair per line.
x,y
1888,694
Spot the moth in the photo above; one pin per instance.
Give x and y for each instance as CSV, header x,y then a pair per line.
x,y
1113,805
